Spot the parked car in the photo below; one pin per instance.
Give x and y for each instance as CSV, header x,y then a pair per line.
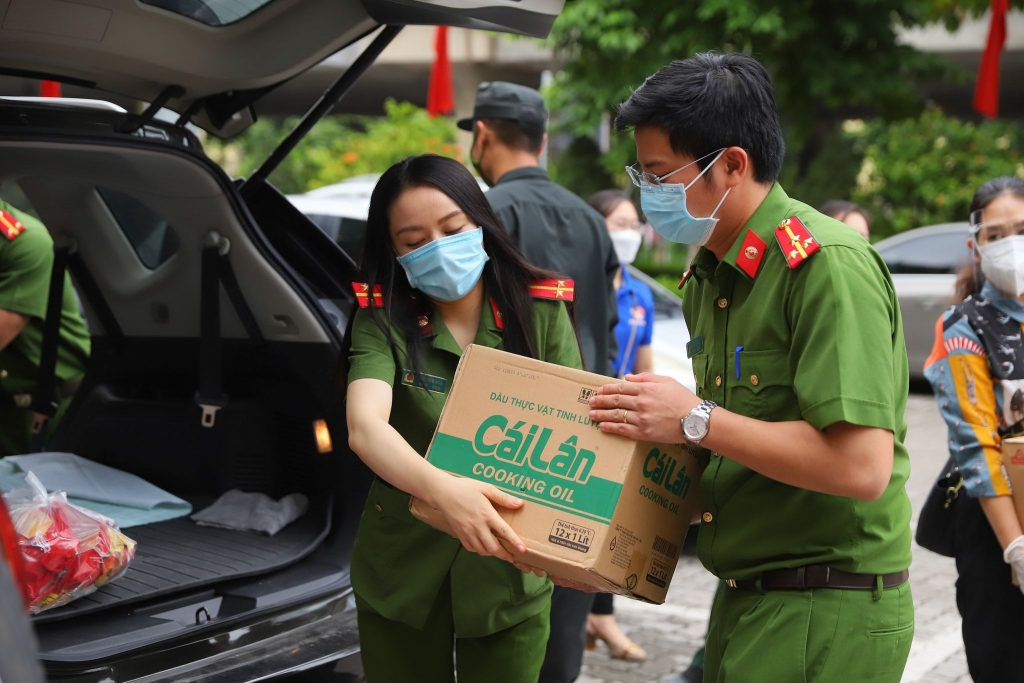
x,y
924,263
18,663
340,210
217,312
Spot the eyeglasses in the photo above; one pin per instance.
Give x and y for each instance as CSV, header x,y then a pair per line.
x,y
626,225
642,178
996,230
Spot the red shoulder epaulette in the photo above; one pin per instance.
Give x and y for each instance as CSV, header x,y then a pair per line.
x,y
796,241
363,297
553,289
10,226
498,320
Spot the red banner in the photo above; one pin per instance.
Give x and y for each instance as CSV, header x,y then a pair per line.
x,y
441,91
986,93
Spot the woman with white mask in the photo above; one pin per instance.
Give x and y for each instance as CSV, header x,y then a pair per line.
x,y
636,302
977,371
633,334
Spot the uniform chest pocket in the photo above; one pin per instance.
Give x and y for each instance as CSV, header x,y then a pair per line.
x,y
763,388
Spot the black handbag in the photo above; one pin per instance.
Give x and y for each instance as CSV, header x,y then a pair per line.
x,y
936,527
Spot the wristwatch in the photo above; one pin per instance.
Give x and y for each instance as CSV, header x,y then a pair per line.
x,y
695,425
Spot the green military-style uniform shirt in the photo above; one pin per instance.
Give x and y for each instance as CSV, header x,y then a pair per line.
x,y
26,261
811,331
399,564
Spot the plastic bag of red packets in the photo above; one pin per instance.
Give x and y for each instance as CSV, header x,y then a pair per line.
x,y
68,551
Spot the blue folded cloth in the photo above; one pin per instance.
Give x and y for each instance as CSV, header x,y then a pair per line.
x,y
127,499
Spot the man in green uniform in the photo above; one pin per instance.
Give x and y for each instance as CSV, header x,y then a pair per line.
x,y
801,372
26,262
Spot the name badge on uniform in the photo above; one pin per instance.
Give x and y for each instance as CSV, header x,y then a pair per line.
x,y
695,346
432,383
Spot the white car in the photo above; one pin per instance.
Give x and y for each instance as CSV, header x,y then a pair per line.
x,y
341,209
924,263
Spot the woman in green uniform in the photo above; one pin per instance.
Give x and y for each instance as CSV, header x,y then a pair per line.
x,y
440,274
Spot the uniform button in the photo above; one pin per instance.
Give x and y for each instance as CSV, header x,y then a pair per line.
x,y
754,380
3,374
377,508
723,302
707,517
718,381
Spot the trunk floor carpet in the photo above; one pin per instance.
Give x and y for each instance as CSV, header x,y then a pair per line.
x,y
179,555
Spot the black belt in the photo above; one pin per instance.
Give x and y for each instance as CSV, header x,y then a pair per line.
x,y
24,399
818,576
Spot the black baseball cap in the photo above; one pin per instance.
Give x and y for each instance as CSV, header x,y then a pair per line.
x,y
509,102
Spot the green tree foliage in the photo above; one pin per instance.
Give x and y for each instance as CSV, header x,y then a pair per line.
x,y
923,171
953,12
338,147
822,54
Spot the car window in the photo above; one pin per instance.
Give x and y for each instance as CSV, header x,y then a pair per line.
x,y
153,239
666,303
210,12
347,232
939,253
11,194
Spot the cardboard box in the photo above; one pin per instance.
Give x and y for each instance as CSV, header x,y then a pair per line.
x,y
600,509
1013,461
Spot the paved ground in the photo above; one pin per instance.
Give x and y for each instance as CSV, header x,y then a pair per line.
x,y
672,632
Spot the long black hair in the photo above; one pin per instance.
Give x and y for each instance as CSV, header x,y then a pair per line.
x,y
970,279
507,274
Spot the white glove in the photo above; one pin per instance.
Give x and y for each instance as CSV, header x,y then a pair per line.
x,y
1014,556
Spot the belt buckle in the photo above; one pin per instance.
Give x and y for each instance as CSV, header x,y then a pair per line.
x,y
731,583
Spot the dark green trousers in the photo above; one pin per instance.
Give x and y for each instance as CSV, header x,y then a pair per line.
x,y
394,652
822,635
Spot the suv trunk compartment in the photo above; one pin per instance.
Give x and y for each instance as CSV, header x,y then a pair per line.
x,y
178,555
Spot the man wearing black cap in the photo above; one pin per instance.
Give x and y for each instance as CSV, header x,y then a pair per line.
x,y
554,228
558,231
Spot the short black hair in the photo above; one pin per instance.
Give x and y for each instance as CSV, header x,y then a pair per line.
x,y
516,136
841,208
708,102
606,201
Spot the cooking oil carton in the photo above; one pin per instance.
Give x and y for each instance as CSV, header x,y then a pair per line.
x,y
599,509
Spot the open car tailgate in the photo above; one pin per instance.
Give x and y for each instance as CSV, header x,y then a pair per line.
x,y
223,54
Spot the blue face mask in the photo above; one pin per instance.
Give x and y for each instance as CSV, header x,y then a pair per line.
x,y
447,268
665,208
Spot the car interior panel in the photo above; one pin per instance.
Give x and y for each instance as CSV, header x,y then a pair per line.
x,y
136,410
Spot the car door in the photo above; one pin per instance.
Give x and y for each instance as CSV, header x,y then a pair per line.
x,y
923,268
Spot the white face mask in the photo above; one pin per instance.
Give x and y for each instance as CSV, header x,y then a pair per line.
x,y
1002,262
627,244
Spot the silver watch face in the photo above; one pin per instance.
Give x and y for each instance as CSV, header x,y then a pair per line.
x,y
695,427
